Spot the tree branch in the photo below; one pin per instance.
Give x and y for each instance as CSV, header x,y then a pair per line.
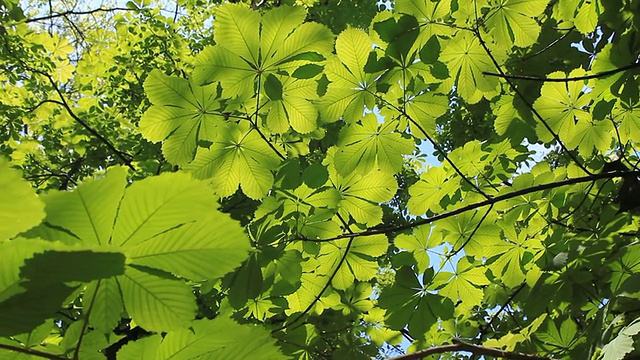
x,y
459,345
491,201
71,12
577,78
126,159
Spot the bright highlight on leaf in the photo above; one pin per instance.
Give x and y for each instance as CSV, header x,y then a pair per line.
x,y
240,158
183,115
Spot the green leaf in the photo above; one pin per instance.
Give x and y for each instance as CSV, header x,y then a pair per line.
x,y
205,249
307,71
315,175
240,158
399,35
424,109
141,349
361,193
220,338
20,208
250,275
466,60
419,243
56,266
183,115
562,105
433,188
463,285
371,145
513,21
430,52
273,87
294,108
105,300
89,210
248,46
349,90
358,262
24,303
407,292
13,255
157,303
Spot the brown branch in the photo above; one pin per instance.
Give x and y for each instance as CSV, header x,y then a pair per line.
x,y
568,79
71,12
524,99
479,204
126,159
459,345
32,352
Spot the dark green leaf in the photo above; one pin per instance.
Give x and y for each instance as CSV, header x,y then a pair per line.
x,y
66,266
399,35
430,51
307,71
315,176
273,87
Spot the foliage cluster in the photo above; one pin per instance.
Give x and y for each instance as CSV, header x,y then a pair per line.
x,y
248,179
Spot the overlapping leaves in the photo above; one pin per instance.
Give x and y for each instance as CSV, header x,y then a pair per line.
x,y
166,228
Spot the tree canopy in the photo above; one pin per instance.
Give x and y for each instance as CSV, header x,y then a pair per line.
x,y
309,179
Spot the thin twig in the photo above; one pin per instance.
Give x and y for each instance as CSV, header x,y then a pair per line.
x,y
326,286
567,79
71,12
126,159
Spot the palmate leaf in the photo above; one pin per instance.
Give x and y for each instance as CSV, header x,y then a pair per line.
x,y
407,303
424,109
464,284
20,208
250,48
350,90
363,146
359,262
512,21
361,193
432,188
240,158
168,224
562,105
469,230
183,115
466,60
294,107
629,119
427,13
418,243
